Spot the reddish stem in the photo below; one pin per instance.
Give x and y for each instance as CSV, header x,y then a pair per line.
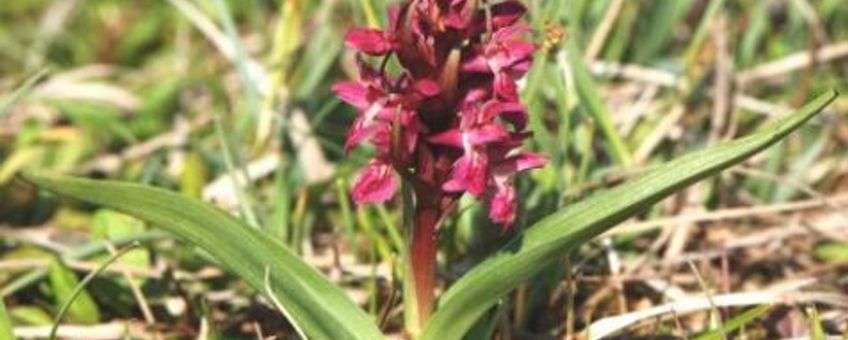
x,y
423,253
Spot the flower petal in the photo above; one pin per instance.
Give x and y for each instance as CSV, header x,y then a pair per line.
x,y
506,168
377,183
427,88
478,135
462,14
505,87
487,134
504,14
529,160
502,207
469,174
376,132
517,52
452,137
475,63
368,41
507,13
513,112
353,93
513,32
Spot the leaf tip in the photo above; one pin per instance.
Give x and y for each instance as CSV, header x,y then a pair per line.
x,y
38,178
30,176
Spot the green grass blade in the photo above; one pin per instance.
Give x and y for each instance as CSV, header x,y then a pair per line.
x,y
816,328
703,29
320,309
78,253
588,92
658,27
558,234
76,302
80,288
6,330
26,87
736,322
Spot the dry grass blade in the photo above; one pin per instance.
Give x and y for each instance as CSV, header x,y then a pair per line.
x,y
791,63
609,326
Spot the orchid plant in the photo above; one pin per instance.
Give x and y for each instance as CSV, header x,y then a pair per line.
x,y
450,122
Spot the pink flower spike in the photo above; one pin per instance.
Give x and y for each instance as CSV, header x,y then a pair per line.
x,y
375,184
369,41
451,116
446,116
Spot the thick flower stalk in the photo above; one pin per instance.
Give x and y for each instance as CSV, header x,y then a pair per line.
x,y
451,122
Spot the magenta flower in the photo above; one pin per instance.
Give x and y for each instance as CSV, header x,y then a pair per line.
x,y
451,122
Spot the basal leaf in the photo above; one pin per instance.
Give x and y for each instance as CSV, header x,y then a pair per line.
x,y
558,234
320,309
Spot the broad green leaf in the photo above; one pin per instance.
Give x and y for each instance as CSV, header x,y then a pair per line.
x,y
560,233
83,309
313,303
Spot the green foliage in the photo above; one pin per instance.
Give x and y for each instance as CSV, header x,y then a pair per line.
x,y
322,310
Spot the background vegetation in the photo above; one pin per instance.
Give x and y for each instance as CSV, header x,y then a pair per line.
x,y
194,96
